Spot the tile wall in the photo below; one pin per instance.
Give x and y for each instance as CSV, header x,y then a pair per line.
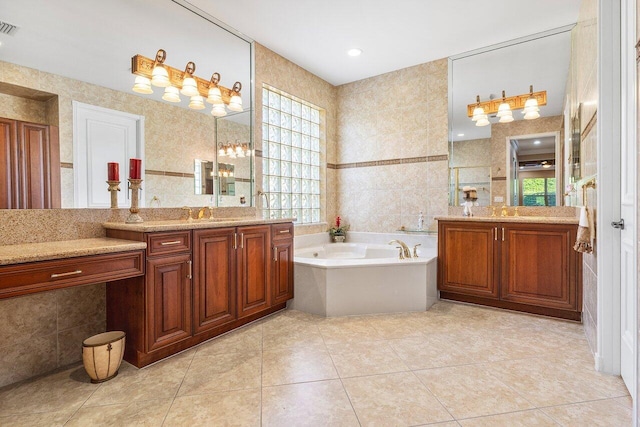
x,y
582,93
392,158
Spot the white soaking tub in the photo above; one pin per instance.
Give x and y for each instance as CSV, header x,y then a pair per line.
x,y
361,277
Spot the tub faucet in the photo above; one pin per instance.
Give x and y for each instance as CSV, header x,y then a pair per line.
x,y
405,249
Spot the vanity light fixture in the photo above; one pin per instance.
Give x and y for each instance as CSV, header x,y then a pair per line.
x,y
154,72
237,149
504,111
529,102
159,74
531,109
479,115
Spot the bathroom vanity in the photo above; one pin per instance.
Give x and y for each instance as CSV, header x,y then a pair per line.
x,y
203,278
519,263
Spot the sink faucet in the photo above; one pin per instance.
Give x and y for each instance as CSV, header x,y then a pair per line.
x,y
202,210
405,249
189,211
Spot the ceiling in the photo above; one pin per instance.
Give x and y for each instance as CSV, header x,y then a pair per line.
x,y
528,146
391,34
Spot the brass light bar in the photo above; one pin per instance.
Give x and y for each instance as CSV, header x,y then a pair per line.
x,y
143,66
515,102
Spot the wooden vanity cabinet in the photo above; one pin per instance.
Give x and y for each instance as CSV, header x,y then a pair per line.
x,y
214,280
282,271
175,306
29,165
520,266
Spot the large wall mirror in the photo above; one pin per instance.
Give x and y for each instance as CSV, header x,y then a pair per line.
x,y
521,162
79,53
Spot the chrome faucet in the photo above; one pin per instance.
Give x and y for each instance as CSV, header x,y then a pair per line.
x,y
406,252
266,197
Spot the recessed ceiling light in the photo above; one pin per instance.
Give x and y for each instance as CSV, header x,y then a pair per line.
x,y
461,134
354,52
536,142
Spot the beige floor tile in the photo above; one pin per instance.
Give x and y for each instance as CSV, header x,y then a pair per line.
x,y
398,399
159,381
395,326
292,336
603,413
348,330
320,403
365,358
534,418
431,351
247,339
286,366
49,419
229,408
228,371
62,391
547,382
469,391
146,413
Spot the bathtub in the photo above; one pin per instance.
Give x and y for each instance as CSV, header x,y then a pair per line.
x,y
364,276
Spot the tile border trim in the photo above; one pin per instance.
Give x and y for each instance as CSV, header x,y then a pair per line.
x,y
389,162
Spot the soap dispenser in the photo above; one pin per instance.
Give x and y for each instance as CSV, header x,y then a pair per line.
x,y
420,221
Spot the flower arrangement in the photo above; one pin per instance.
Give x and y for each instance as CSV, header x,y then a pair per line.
x,y
339,229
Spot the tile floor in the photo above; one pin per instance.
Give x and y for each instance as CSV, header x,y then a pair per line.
x,y
455,365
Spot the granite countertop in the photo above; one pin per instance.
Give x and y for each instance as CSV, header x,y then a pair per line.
x,y
524,219
183,224
29,252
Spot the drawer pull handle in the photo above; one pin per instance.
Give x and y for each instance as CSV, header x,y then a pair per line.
x,y
71,273
284,231
241,240
503,234
235,240
173,242
275,254
190,273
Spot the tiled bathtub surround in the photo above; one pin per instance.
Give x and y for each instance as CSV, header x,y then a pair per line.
x,y
455,364
398,115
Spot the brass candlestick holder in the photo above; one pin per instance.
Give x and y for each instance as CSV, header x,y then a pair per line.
x,y
114,187
134,185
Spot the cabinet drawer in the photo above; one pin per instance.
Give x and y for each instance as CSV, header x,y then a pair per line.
x,y
282,231
168,243
42,276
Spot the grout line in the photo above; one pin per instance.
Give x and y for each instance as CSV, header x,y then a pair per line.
x,y
175,395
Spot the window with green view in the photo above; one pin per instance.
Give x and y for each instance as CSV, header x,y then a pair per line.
x,y
539,192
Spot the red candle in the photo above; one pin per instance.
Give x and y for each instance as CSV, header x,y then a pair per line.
x,y
135,168
113,171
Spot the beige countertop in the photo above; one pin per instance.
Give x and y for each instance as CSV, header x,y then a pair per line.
x,y
523,219
29,252
173,225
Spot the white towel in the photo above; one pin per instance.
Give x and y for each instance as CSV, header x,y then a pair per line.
x,y
584,241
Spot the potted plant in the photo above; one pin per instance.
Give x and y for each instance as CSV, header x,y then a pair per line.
x,y
338,232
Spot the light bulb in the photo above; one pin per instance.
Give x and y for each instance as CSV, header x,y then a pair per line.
x,y
160,76
236,103
189,87
142,85
218,110
196,103
214,96
171,94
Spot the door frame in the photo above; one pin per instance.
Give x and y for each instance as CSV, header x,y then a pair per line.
x,y
78,157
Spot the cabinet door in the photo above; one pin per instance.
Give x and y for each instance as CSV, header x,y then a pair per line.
x,y
467,258
9,177
39,166
168,293
282,272
539,266
253,269
214,290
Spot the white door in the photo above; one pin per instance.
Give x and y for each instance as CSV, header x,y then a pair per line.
x,y
101,135
628,211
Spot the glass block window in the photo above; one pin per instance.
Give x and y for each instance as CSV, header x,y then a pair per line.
x,y
290,157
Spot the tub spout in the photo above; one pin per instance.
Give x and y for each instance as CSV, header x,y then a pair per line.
x,y
405,249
